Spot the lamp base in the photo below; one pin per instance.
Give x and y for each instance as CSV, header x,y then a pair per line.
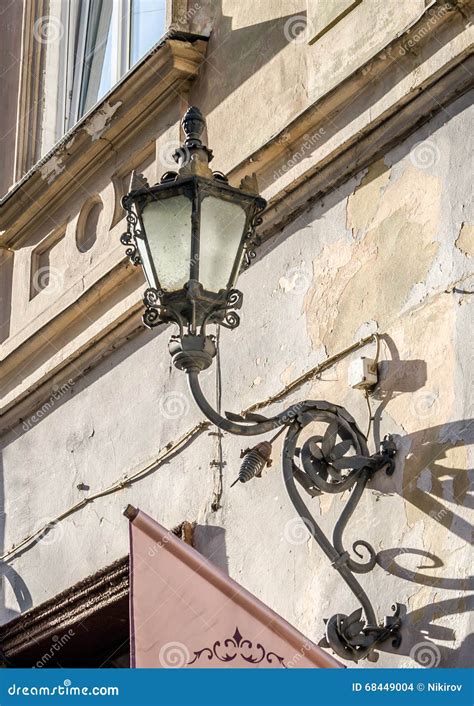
x,y
192,352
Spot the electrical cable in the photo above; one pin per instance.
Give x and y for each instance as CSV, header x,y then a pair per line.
x,y
173,447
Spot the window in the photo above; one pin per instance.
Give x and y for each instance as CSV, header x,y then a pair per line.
x,y
104,39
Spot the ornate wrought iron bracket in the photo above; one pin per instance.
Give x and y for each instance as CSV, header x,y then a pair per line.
x,y
330,462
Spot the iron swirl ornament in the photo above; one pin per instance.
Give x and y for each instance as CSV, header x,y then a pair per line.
x,y
334,461
128,238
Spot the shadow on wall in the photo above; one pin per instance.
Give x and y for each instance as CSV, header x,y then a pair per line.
x,y
209,540
427,450
8,575
250,47
420,629
434,486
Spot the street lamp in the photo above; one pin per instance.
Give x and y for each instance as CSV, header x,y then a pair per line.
x,y
193,233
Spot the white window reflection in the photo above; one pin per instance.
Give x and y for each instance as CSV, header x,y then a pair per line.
x,y
147,15
106,38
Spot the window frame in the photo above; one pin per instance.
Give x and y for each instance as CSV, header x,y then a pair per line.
x,y
35,88
78,24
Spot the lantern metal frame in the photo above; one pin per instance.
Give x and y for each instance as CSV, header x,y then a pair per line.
x,y
192,307
321,464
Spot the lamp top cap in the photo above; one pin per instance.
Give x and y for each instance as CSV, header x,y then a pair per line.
x,y
193,123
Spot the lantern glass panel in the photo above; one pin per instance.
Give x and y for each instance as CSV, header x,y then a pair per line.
x,y
222,229
167,224
146,262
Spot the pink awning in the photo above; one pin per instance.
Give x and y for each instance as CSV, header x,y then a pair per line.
x,y
185,612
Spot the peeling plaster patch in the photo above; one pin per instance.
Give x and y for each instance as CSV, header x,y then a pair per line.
x,y
98,122
465,240
362,205
287,375
376,282
373,277
426,339
52,168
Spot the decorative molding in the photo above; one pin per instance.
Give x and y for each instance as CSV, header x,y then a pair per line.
x,y
140,160
80,234
66,609
369,112
375,108
100,134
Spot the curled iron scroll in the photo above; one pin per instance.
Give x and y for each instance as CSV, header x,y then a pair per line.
x,y
332,462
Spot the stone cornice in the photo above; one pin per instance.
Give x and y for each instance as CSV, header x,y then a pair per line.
x,y
372,110
414,76
145,90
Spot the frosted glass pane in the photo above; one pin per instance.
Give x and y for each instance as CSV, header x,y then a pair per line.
x,y
144,257
222,227
168,228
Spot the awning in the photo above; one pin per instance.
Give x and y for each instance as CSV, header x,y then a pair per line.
x,y
185,612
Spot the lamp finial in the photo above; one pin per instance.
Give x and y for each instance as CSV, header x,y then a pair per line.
x,y
193,123
193,157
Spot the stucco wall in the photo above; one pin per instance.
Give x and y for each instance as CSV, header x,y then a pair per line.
x,y
387,251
